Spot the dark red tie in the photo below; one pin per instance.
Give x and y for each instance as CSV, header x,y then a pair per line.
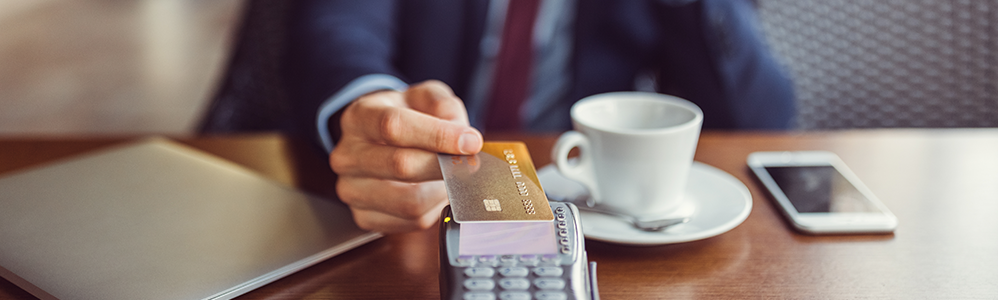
x,y
512,75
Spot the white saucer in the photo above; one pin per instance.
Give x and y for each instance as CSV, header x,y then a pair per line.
x,y
722,203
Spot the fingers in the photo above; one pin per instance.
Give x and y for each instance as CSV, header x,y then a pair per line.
x,y
380,222
387,154
385,162
437,99
399,199
389,205
387,118
404,127
396,136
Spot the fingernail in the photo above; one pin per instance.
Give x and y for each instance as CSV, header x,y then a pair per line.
x,y
469,143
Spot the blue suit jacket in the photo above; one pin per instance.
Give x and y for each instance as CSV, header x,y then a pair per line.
x,y
710,52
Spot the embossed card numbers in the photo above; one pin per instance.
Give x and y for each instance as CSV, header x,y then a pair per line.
x,y
497,184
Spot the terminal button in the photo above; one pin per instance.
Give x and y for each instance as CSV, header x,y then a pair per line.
x,y
549,283
479,296
514,296
549,258
514,272
514,284
548,271
551,295
479,284
479,272
507,259
465,260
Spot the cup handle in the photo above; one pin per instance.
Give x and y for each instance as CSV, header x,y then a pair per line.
x,y
583,171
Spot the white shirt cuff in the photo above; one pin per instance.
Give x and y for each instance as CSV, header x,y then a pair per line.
x,y
356,88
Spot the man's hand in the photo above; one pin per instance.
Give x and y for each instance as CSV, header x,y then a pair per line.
x,y
386,158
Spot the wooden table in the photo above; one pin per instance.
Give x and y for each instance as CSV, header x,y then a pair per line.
x,y
941,184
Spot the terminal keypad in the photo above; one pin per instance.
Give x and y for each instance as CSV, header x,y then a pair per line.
x,y
520,277
515,282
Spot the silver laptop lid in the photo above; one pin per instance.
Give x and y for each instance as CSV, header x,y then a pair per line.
x,y
159,220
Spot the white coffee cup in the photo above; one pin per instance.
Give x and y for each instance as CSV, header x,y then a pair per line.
x,y
635,150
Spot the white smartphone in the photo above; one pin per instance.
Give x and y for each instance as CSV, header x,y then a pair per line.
x,y
819,194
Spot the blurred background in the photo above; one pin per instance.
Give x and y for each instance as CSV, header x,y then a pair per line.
x,y
888,63
152,66
110,66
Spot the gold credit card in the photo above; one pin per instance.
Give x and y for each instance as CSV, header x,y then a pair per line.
x,y
497,184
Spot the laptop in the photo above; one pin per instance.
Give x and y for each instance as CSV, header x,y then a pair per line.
x,y
155,219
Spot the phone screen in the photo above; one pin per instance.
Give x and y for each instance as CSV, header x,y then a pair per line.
x,y
819,189
507,238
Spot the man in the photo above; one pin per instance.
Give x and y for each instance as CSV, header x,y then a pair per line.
x,y
393,82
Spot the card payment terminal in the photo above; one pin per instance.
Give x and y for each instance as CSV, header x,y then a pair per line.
x,y
516,260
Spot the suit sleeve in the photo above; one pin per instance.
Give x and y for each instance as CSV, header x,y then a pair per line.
x,y
333,44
